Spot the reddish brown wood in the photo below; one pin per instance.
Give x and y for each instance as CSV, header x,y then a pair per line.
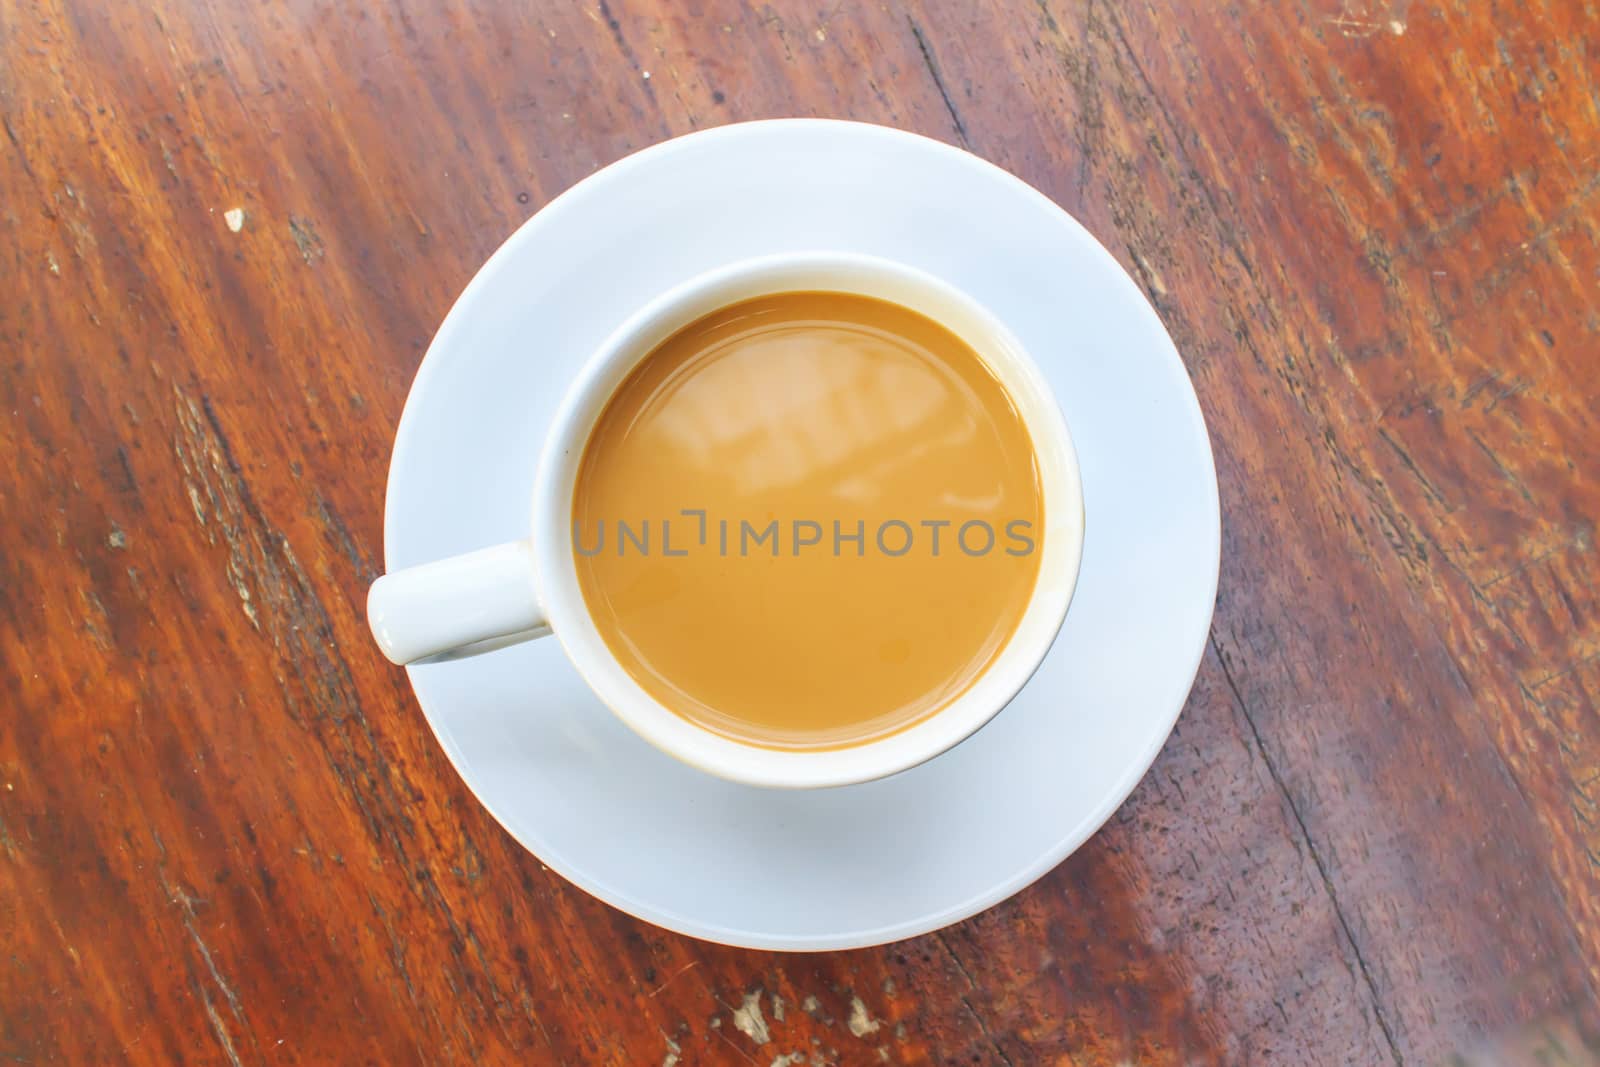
x,y
226,834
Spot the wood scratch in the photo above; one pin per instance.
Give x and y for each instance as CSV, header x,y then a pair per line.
x,y
726,1040
938,81
1526,564
691,965
1260,749
306,239
1564,671
1353,27
218,1028
186,904
1410,465
8,844
16,143
1358,22
1505,472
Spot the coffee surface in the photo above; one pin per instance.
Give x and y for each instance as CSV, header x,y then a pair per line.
x,y
808,520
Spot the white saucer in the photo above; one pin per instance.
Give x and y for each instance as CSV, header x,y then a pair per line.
x,y
870,863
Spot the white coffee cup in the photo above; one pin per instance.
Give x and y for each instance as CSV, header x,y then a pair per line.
x,y
530,587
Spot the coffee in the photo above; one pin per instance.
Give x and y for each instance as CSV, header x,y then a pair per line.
x,y
808,520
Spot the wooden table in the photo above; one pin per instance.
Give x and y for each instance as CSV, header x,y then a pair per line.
x,y
229,230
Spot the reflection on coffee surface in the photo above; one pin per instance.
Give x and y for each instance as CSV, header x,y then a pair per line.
x,y
808,520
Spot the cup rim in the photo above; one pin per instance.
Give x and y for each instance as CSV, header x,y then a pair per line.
x,y
1061,540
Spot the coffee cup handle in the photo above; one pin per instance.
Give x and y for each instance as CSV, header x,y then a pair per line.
x,y
437,607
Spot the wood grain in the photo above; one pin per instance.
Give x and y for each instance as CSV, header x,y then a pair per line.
x,y
1373,228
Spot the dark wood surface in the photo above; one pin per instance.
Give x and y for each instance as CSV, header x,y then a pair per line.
x,y
226,834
